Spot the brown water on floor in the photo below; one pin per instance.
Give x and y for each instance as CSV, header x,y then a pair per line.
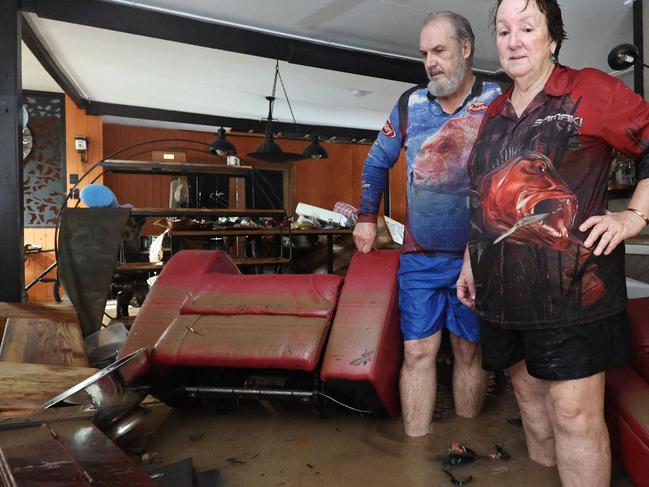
x,y
261,445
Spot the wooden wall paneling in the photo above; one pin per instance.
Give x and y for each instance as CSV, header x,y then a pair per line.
x,y
398,200
38,262
359,154
290,182
323,182
77,123
318,182
156,189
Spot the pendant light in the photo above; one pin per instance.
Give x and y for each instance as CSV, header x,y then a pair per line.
x,y
270,150
315,151
222,146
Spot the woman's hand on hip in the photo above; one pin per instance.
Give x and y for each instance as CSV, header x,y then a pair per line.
x,y
610,230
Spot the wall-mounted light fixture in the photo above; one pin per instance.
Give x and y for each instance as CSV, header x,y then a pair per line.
x,y
624,56
81,146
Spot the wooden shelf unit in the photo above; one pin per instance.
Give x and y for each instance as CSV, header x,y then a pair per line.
x,y
330,233
204,212
259,231
174,168
187,168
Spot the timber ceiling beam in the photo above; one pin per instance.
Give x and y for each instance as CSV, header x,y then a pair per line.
x,y
159,25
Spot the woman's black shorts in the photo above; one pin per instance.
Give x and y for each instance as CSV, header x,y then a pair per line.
x,y
561,353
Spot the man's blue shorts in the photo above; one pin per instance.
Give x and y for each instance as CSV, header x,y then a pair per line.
x,y
428,300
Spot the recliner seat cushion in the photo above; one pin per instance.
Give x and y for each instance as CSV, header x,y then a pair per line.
x,y
249,341
639,315
627,414
306,295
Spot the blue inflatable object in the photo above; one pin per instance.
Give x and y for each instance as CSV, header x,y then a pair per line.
x,y
98,196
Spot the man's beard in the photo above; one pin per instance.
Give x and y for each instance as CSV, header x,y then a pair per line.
x,y
451,83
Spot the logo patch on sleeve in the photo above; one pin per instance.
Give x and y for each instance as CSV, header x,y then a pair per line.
x,y
388,130
477,107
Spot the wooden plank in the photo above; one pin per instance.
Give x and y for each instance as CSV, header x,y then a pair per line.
x,y
57,312
138,267
33,456
28,384
70,453
42,341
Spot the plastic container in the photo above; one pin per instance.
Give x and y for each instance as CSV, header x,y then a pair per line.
x,y
102,346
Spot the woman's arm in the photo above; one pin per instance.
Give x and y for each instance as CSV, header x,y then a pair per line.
x,y
612,228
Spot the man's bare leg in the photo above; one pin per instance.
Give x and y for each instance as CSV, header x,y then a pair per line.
x,y
531,395
469,379
582,442
418,384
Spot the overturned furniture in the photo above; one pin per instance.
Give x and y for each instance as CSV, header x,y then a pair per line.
x,y
627,399
212,331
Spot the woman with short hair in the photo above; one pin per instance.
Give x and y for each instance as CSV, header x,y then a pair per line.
x,y
544,269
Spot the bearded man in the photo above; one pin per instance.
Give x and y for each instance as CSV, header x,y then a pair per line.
x,y
437,124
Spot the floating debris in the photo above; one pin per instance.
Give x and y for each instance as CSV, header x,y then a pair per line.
x,y
457,481
501,454
235,461
459,454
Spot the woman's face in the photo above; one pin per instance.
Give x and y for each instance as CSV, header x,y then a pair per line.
x,y
523,40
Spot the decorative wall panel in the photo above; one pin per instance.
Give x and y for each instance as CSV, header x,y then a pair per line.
x,y
44,167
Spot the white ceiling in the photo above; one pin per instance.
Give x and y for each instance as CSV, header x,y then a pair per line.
x,y
34,75
121,68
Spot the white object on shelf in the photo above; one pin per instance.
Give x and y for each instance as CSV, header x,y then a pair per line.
x,y
321,214
155,250
636,289
395,228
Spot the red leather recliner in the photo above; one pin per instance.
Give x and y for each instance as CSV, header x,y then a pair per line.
x,y
210,329
627,399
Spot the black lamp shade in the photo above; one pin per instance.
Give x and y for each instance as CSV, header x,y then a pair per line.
x,y
270,151
269,146
623,56
222,146
315,151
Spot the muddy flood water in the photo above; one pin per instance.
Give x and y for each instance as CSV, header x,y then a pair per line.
x,y
258,444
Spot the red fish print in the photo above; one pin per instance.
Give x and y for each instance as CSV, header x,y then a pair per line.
x,y
526,201
441,163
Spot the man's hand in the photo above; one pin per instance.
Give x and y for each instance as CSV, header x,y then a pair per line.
x,y
466,284
365,236
610,230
